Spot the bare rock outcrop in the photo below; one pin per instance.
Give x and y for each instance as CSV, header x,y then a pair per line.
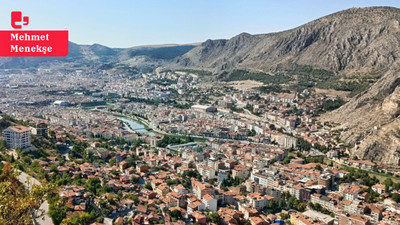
x,y
371,120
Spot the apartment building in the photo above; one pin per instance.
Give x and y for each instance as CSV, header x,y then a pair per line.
x,y
17,137
352,219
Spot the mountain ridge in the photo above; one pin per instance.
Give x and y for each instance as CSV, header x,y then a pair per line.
x,y
97,53
301,45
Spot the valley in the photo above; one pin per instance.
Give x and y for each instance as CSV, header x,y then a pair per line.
x,y
293,127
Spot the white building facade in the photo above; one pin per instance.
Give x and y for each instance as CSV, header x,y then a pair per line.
x,y
17,137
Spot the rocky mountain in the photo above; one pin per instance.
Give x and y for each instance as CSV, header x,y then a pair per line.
x,y
351,43
358,40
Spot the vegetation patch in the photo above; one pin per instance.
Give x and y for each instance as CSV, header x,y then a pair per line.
x,y
197,72
330,105
164,82
273,88
353,85
168,52
257,76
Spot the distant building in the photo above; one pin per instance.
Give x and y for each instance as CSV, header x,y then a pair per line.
x,y
222,175
41,129
61,103
155,140
97,95
353,219
284,140
241,171
204,108
210,202
317,216
206,171
17,137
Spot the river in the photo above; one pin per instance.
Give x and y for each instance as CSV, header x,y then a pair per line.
x,y
136,126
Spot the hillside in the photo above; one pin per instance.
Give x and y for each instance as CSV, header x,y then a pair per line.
x,y
152,56
359,44
354,41
371,121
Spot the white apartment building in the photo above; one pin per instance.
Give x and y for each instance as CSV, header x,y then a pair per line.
x,y
259,179
17,137
210,202
206,171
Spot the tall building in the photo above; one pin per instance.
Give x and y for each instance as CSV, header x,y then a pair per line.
x,y
17,137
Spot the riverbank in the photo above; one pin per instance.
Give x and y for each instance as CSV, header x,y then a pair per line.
x,y
154,130
134,126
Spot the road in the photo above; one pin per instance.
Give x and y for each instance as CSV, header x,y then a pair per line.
x,y
45,220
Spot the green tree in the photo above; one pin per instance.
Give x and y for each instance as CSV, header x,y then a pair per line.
x,y
112,162
93,185
148,186
272,204
318,167
81,219
396,197
100,219
134,180
214,218
53,168
284,216
303,144
17,203
396,186
317,207
388,182
133,197
172,182
176,214
301,206
78,150
286,160
57,215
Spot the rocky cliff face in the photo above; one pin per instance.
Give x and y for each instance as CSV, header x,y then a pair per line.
x,y
371,120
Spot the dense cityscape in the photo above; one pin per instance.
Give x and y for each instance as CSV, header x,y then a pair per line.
x,y
200,112
166,148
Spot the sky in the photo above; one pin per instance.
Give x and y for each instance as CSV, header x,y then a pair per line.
x,y
128,23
